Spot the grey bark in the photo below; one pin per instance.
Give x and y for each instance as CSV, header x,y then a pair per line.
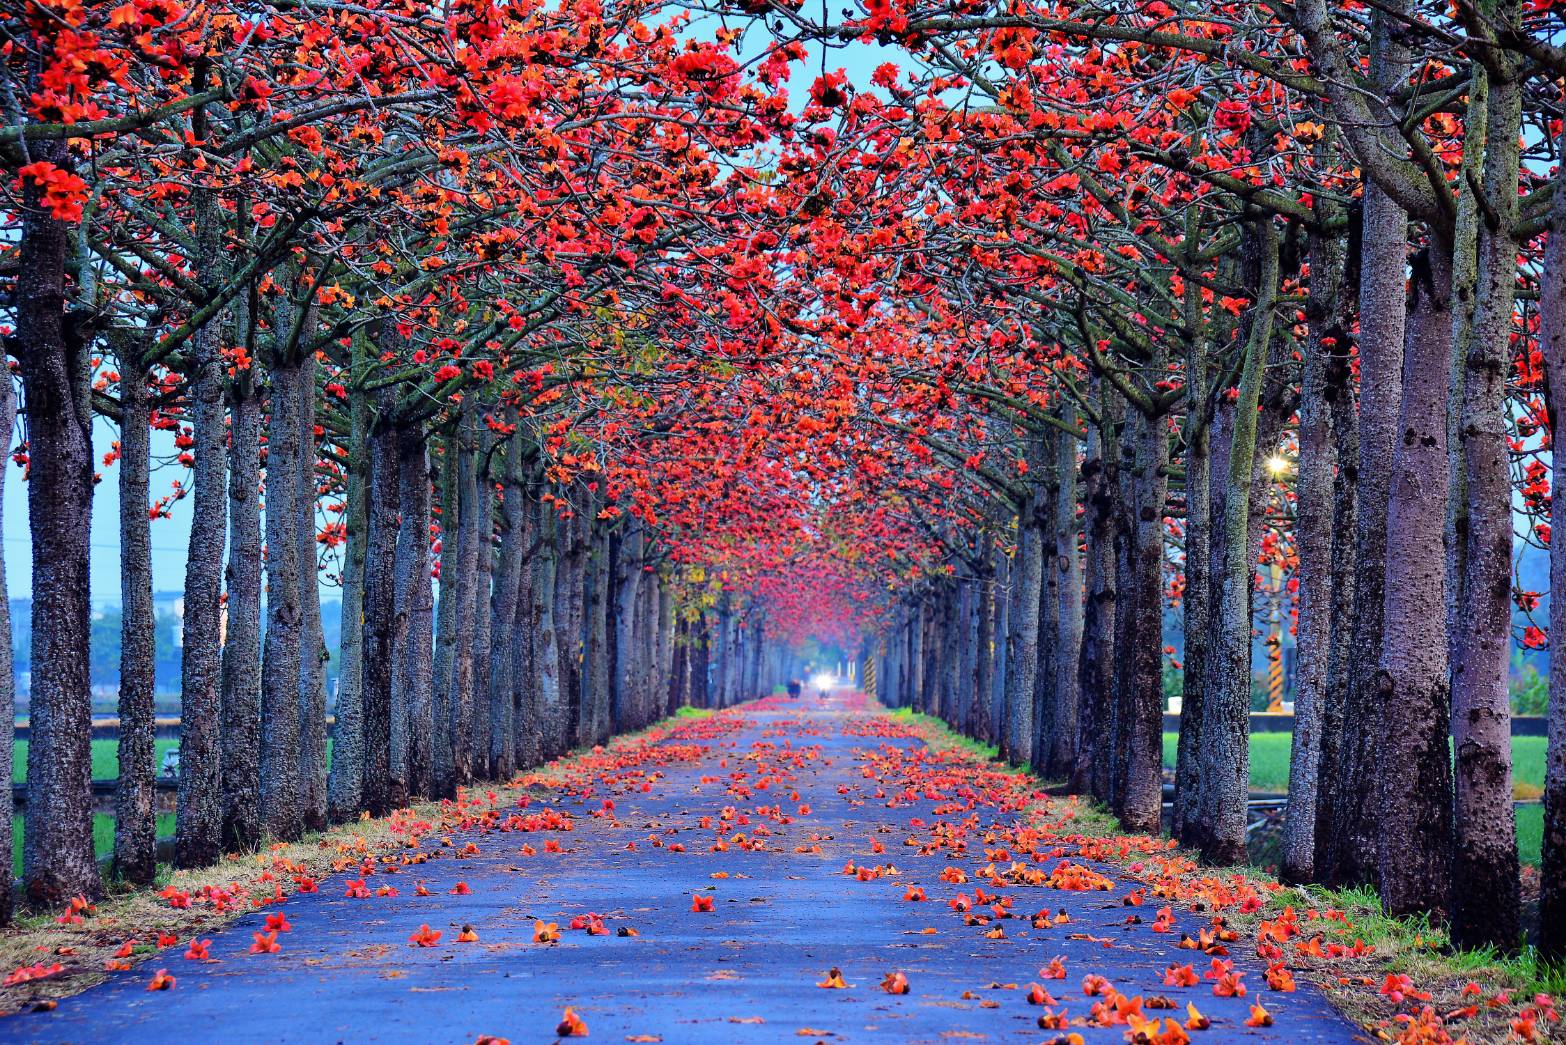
x,y
1413,800
135,813
242,650
1314,539
282,817
1552,341
1225,749
198,826
1485,911
1349,813
345,784
313,654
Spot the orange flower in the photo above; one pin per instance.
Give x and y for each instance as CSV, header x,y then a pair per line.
x,y
1260,1017
1195,1020
1229,985
460,889
834,980
1037,995
546,932
571,1025
425,937
702,903
1055,970
914,894
161,981
895,983
1180,976
1280,978
265,943
467,935
197,951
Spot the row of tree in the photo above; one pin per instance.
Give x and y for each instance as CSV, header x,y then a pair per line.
x,y
1330,232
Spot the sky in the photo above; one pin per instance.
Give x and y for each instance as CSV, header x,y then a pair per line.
x,y
169,536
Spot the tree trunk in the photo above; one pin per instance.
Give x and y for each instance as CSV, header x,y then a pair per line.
x,y
1022,643
413,701
345,784
473,529
8,678
1552,341
1143,801
481,627
313,654
282,816
198,827
379,605
1351,845
1068,616
549,698
135,805
1225,739
1485,910
1314,540
443,758
595,682
1413,820
1101,482
242,650
503,684
1196,603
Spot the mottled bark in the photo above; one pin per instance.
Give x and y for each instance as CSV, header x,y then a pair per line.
x,y
443,759
1313,539
1552,342
549,696
979,723
413,704
282,816
473,531
1100,475
503,662
1022,641
1484,910
482,627
345,783
198,827
8,678
242,648
524,645
1413,800
135,811
1225,747
595,681
624,554
1068,616
1340,660
379,605
1349,858
1196,604
313,654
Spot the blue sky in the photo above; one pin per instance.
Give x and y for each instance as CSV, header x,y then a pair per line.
x,y
169,536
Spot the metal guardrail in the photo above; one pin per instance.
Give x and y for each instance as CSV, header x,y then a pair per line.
x,y
107,727
1273,722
